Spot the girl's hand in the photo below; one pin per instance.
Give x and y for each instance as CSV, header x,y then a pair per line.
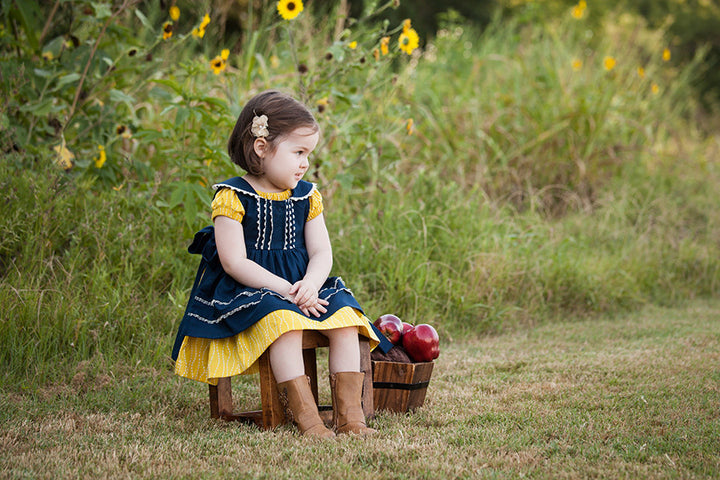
x,y
305,296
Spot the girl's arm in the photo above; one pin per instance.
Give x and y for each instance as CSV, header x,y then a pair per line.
x,y
317,242
230,240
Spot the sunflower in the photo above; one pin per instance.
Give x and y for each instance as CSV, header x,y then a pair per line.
x,y
218,64
666,55
167,30
289,9
174,13
408,41
609,63
384,41
578,10
199,32
101,158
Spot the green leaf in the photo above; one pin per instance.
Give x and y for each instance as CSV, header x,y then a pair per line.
x,y
118,96
38,109
144,20
181,116
177,196
338,51
43,73
102,10
170,83
25,12
214,101
69,78
191,211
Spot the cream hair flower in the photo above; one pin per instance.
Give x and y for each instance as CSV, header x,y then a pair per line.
x,y
260,126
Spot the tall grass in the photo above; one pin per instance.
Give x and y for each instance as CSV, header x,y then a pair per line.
x,y
528,190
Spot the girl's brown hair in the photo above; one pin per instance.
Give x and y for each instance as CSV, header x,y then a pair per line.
x,y
284,113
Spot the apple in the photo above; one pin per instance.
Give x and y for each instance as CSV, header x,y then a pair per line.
x,y
390,326
406,327
422,343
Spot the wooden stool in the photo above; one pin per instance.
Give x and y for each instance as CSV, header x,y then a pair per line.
x,y
272,413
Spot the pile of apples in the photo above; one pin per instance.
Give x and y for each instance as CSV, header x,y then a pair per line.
x,y
421,342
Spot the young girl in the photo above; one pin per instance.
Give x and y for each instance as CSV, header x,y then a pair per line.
x,y
263,277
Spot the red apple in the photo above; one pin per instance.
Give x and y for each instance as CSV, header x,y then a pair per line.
x,y
390,326
407,327
422,343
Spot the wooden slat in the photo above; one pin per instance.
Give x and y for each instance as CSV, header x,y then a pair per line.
x,y
368,402
224,393
400,400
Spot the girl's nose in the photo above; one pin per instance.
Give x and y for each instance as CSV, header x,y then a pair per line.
x,y
305,162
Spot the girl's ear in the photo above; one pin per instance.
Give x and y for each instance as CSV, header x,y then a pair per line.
x,y
260,145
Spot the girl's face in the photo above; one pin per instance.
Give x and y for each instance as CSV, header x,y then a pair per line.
x,y
285,166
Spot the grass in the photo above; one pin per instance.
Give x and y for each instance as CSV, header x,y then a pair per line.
x,y
633,396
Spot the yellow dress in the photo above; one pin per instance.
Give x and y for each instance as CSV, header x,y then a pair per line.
x,y
206,360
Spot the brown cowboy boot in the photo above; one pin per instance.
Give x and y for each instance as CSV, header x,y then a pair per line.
x,y
302,408
348,416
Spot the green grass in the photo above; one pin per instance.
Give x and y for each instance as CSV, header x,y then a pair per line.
x,y
633,396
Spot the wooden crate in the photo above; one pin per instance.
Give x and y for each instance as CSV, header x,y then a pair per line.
x,y
400,387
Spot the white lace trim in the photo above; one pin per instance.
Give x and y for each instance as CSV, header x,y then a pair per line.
x,y
264,292
235,310
218,186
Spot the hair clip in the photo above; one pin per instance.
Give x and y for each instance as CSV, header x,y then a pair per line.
x,y
259,126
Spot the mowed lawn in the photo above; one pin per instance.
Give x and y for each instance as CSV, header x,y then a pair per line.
x,y
636,396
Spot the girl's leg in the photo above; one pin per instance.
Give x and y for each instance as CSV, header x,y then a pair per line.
x,y
286,361
344,353
346,381
286,358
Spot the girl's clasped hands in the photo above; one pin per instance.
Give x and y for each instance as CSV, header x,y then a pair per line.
x,y
305,295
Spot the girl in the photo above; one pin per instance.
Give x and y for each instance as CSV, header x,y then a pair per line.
x,y
263,277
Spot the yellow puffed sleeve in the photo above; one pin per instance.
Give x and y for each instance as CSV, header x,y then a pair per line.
x,y
316,205
227,203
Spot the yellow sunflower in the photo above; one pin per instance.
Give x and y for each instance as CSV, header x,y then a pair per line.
x,y
384,41
609,63
174,13
101,158
409,41
410,126
167,30
218,64
578,10
289,9
199,32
